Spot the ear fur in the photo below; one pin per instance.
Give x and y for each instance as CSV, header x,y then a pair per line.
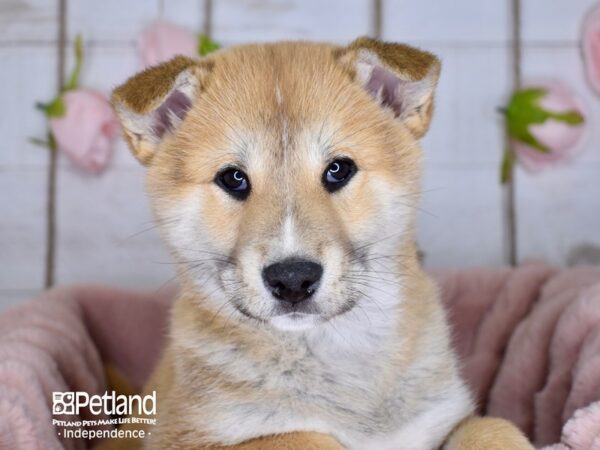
x,y
399,77
155,101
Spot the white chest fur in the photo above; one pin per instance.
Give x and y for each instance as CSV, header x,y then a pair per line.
x,y
338,379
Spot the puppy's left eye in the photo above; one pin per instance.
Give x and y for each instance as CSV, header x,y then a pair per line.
x,y
338,173
234,182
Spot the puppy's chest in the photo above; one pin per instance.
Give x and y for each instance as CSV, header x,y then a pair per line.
x,y
315,380
295,388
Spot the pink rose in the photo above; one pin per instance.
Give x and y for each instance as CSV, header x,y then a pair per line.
x,y
86,131
561,139
162,41
590,42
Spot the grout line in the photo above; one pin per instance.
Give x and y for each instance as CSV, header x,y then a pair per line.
x,y
52,166
517,43
208,16
510,213
377,18
552,45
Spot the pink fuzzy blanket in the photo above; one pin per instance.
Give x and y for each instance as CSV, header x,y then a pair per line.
x,y
529,339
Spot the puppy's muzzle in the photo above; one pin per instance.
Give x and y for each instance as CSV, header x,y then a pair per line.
x,y
292,280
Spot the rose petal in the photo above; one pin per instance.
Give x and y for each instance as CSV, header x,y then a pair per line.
x,y
162,41
591,47
86,132
561,137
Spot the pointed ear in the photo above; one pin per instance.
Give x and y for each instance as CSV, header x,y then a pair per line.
x,y
153,103
401,78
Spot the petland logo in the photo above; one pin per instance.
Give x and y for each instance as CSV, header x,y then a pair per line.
x,y
70,403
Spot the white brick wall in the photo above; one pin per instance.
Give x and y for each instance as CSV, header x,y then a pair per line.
x,y
98,218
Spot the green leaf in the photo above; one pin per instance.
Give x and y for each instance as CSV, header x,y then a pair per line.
x,y
49,143
569,117
39,142
56,108
73,82
506,168
206,45
521,112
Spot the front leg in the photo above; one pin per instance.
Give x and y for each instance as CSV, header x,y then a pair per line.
x,y
487,433
288,441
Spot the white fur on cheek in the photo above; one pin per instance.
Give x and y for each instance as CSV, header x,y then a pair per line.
x,y
328,295
393,214
180,222
191,242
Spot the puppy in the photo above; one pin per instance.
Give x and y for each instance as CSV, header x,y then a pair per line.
x,y
285,179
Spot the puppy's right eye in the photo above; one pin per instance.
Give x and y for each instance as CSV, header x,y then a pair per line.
x,y
235,182
338,173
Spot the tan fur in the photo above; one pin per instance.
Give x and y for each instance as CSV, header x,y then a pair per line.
x,y
142,94
487,433
375,367
409,63
416,64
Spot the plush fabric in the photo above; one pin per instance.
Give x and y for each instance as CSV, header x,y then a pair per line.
x,y
529,339
58,342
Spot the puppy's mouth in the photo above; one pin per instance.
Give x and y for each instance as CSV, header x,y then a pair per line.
x,y
306,307
295,317
296,321
303,312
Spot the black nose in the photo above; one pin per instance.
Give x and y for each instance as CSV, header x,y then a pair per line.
x,y
292,280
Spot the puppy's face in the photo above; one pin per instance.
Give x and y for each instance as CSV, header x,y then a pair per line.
x,y
284,177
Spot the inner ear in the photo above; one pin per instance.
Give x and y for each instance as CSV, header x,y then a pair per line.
x,y
154,103
400,78
394,90
171,112
164,113
385,87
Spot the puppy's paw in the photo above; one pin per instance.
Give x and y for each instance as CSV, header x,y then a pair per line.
x,y
487,433
290,441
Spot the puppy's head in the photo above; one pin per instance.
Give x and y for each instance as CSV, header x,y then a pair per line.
x,y
284,176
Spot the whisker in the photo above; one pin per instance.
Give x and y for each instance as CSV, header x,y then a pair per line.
x,y
155,224
194,261
366,284
376,303
370,244
174,278
374,279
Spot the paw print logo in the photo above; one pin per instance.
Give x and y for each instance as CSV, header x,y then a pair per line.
x,y
63,403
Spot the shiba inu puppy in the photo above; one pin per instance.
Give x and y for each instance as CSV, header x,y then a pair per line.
x,y
285,179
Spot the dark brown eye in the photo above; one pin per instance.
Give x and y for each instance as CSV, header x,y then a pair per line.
x,y
235,182
338,173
